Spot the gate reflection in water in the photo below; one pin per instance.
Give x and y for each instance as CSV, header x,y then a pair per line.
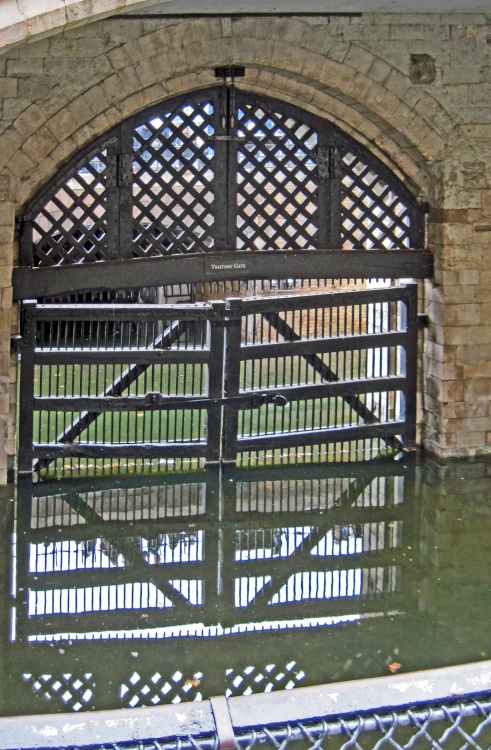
x,y
138,592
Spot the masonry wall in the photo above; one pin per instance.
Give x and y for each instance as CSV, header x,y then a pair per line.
x,y
416,89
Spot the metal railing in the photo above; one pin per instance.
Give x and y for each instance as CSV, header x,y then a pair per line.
x,y
443,708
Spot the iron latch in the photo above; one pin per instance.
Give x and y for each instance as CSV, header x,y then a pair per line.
x,y
259,399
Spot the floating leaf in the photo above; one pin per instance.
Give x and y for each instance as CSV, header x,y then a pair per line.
x,y
394,667
193,682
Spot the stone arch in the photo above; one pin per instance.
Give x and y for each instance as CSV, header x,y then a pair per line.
x,y
363,95
19,23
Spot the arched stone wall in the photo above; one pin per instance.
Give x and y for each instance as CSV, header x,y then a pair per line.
x,y
60,92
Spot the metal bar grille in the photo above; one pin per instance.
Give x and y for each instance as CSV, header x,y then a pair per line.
x,y
104,382
292,347
250,379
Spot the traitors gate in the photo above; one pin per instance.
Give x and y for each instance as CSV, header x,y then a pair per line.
x,y
288,377
141,343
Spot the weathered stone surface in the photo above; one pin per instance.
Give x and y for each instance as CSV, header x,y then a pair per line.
x,y
433,130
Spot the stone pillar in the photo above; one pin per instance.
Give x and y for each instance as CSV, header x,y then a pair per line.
x,y
8,370
457,350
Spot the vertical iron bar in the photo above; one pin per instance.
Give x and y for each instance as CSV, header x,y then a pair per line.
x,y
26,408
409,362
231,379
216,346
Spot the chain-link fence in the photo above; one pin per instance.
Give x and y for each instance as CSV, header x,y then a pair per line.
x,y
461,725
458,722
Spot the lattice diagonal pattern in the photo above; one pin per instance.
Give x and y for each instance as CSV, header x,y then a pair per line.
x,y
71,226
262,679
173,182
70,692
152,690
372,214
276,181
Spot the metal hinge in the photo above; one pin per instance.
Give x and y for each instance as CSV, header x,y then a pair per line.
x,y
119,170
17,342
329,163
423,320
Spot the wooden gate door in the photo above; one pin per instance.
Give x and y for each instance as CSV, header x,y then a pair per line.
x,y
255,380
321,376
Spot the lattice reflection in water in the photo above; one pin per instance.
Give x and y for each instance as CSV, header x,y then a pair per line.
x,y
141,691
252,679
70,692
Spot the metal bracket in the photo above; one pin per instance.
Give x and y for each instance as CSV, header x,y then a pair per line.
x,y
17,342
233,71
259,399
329,163
223,723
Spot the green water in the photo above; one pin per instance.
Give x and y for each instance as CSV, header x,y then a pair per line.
x,y
123,592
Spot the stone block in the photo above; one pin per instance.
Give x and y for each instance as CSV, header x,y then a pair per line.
x,y
379,70
21,166
90,47
8,87
6,249
461,74
334,74
478,130
439,352
412,31
62,46
472,354
359,58
145,72
468,277
397,83
478,389
22,67
480,370
444,390
40,145
6,291
443,371
431,145
35,50
477,334
470,440
13,34
54,102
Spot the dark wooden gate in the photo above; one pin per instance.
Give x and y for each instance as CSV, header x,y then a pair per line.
x,y
255,380
217,193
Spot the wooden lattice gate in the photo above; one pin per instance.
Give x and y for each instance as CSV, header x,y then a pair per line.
x,y
254,380
217,193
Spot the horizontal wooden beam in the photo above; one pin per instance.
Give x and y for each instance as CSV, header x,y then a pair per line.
x,y
180,269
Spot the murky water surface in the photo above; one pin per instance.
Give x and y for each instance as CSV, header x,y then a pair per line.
x,y
133,592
